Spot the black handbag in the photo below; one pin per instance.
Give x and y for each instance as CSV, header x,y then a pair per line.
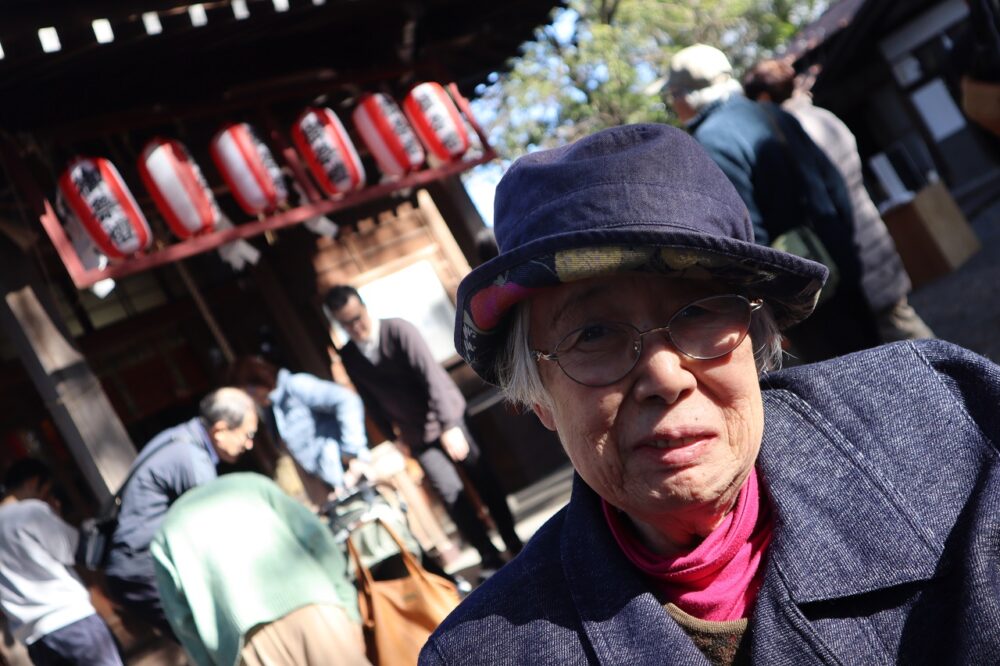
x,y
95,537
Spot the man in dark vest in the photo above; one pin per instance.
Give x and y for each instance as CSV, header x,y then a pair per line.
x,y
411,398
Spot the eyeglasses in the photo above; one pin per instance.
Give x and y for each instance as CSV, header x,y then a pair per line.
x,y
250,434
603,352
350,323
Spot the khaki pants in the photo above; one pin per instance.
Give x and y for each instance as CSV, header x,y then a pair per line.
x,y
312,635
901,322
390,465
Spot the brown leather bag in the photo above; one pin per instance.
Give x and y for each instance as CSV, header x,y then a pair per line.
x,y
399,615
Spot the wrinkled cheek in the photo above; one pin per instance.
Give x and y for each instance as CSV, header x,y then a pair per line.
x,y
586,427
608,465
749,428
597,462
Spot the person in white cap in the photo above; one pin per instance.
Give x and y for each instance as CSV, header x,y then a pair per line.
x,y
786,182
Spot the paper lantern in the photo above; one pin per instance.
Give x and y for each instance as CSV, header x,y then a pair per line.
x,y
436,121
99,199
388,135
178,188
328,150
249,169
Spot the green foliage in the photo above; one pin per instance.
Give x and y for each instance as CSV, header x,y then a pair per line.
x,y
598,63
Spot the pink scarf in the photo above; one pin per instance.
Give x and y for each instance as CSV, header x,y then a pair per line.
x,y
719,579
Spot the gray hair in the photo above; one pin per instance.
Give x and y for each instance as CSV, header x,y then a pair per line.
x,y
227,404
719,92
521,384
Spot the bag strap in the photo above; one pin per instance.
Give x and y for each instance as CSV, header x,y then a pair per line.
x,y
413,568
140,460
771,111
365,606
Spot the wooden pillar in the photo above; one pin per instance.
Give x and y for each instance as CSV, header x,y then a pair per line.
x,y
72,394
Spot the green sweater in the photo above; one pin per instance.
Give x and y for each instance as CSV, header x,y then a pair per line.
x,y
238,552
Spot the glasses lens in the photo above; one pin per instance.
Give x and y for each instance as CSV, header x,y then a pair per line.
x,y
598,354
711,327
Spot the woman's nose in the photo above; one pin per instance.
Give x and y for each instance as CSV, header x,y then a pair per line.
x,y
661,373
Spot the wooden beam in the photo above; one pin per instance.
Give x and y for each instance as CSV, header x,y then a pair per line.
x,y
442,235
71,393
303,85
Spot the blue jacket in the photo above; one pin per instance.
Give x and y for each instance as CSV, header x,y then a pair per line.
x,y
776,169
163,472
881,469
320,421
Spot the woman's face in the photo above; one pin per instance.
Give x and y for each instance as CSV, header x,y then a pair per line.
x,y
670,443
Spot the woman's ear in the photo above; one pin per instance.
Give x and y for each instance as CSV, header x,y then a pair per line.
x,y
544,415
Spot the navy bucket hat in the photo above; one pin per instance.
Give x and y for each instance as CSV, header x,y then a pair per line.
x,y
632,198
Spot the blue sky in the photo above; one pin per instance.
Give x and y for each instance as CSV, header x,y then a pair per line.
x,y
482,181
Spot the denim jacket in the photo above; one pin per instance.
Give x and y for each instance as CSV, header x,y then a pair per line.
x,y
881,470
319,421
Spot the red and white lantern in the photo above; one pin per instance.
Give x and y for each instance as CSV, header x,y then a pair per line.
x,y
178,188
328,150
100,201
249,169
389,137
436,121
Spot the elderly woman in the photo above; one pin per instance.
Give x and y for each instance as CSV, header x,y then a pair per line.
x,y
845,512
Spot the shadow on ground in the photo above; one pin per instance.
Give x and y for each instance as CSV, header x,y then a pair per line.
x,y
964,306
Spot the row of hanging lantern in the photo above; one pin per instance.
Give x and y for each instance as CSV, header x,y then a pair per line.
x,y
104,220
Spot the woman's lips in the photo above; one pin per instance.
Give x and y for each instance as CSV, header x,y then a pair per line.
x,y
674,451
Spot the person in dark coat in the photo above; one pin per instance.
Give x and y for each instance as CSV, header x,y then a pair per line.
x,y
883,278
723,512
410,396
785,180
175,461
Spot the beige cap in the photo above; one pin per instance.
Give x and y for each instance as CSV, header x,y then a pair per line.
x,y
697,67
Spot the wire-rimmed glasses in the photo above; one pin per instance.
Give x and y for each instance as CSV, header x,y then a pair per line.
x,y
603,352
